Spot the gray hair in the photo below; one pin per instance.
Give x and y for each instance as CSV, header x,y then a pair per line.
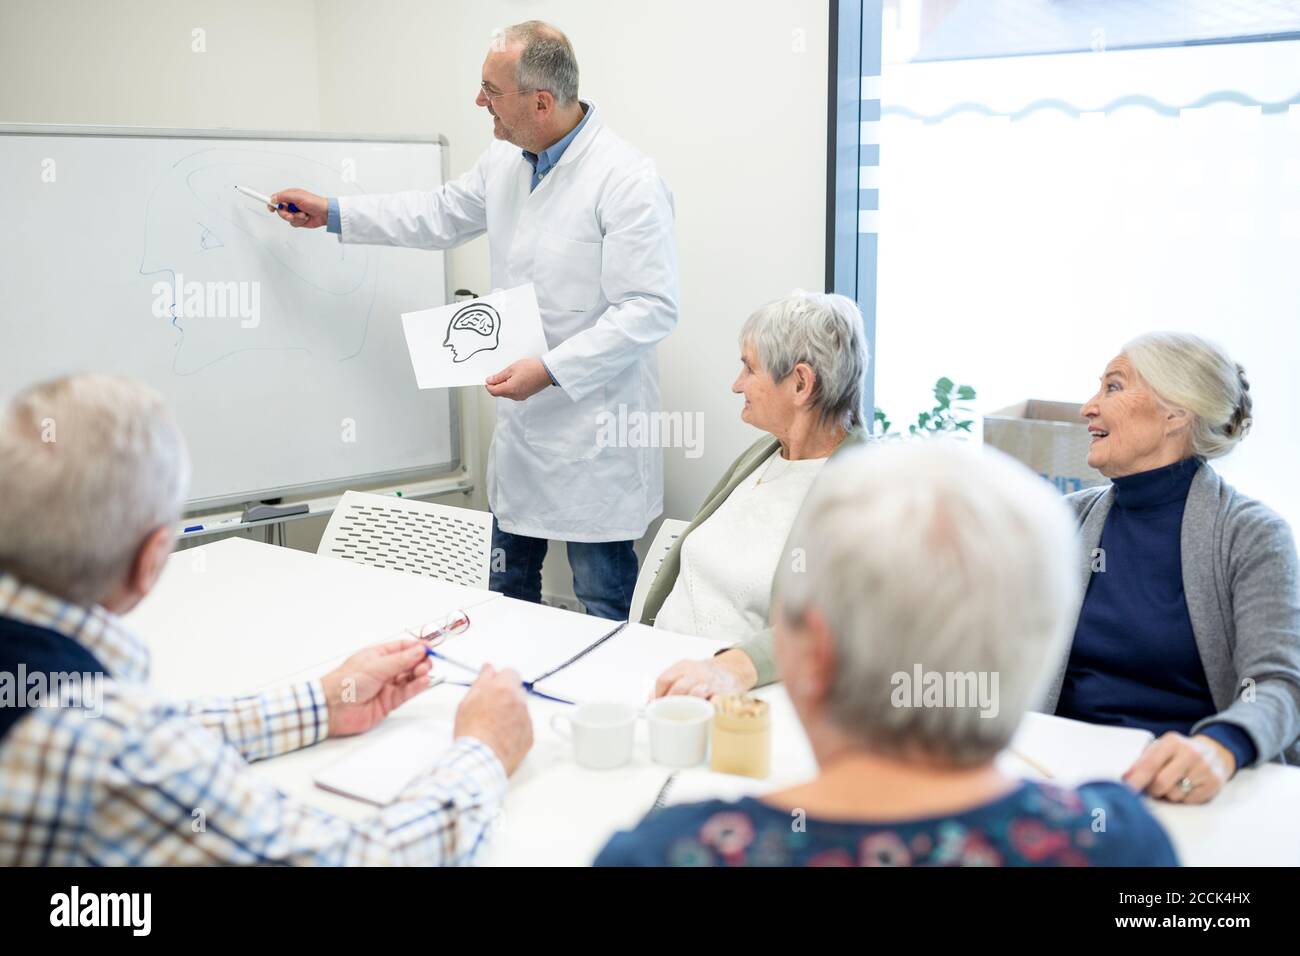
x,y
1197,376
825,331
547,61
938,557
90,466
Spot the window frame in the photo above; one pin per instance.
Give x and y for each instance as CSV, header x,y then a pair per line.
x,y
853,99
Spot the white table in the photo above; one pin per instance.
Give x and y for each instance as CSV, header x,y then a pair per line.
x,y
238,615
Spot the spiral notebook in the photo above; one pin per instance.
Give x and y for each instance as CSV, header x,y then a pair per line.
x,y
569,657
553,636
624,667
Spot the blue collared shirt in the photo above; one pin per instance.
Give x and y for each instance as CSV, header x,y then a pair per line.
x,y
549,158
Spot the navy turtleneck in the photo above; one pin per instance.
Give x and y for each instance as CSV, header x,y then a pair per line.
x,y
1134,660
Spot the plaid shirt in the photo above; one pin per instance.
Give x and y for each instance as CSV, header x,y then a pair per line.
x,y
149,782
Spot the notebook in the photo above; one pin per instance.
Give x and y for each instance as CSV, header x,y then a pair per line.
x,y
1071,752
624,668
387,760
554,636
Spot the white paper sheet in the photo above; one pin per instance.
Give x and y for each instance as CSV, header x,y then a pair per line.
x,y
462,344
530,638
624,668
1071,751
387,759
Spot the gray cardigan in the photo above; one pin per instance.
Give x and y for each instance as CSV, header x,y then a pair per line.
x,y
1243,597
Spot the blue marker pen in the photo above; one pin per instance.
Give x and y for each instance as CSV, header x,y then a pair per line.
x,y
226,522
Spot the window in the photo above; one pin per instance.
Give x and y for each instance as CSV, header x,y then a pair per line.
x,y
1050,178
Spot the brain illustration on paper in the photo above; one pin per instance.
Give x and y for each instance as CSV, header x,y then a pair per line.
x,y
473,329
232,278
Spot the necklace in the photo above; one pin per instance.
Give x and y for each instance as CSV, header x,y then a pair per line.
x,y
763,479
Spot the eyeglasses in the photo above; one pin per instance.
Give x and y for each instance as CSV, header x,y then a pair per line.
x,y
492,97
435,632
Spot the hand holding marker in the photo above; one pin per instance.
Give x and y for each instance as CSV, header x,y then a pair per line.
x,y
267,199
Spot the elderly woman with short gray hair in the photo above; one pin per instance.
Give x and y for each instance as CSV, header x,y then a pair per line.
x,y
935,557
1190,626
803,362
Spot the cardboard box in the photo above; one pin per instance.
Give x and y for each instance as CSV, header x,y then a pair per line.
x,y
1049,437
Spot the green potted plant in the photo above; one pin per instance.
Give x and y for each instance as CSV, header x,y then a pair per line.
x,y
944,418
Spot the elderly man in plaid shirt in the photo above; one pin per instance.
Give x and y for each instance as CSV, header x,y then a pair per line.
x,y
93,472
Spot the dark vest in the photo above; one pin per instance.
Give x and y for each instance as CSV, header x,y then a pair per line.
x,y
40,651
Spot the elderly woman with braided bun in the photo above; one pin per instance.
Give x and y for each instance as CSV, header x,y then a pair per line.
x,y
1190,622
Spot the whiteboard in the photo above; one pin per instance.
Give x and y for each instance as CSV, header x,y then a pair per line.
x,y
280,350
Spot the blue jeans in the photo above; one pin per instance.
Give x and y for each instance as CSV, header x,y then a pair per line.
x,y
604,572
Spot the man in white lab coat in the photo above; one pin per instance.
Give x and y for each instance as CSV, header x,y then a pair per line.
x,y
572,208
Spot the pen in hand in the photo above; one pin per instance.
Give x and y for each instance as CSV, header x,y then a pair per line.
x,y
267,199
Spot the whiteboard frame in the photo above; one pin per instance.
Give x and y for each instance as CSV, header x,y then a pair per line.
x,y
401,476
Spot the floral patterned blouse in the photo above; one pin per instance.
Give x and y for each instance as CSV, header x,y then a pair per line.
x,y
1100,824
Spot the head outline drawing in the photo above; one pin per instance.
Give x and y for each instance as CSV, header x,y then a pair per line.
x,y
473,328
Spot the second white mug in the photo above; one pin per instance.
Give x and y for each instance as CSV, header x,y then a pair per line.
x,y
602,733
679,730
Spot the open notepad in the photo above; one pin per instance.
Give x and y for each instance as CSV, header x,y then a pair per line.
x,y
1070,752
530,638
389,758
569,656
624,667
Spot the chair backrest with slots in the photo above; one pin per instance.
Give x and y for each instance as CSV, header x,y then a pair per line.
x,y
420,537
669,531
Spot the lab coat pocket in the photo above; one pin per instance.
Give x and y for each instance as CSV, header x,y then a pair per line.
x,y
567,275
556,425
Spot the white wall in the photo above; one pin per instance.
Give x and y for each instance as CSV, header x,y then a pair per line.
x,y
728,96
133,63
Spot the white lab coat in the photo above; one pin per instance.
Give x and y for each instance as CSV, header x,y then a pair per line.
x,y
596,240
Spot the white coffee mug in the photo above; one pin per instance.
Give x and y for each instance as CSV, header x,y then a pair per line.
x,y
601,733
679,730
